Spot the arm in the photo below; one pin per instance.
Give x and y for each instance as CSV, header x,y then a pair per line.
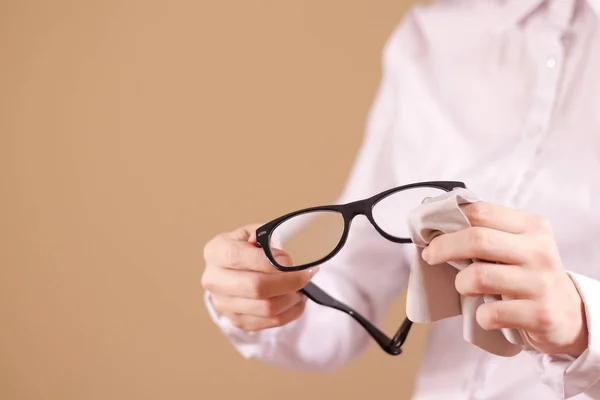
x,y
322,338
573,376
555,309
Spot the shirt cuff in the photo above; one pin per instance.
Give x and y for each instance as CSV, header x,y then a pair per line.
x,y
250,344
568,376
583,373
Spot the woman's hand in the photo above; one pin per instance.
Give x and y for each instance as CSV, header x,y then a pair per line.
x,y
246,288
540,297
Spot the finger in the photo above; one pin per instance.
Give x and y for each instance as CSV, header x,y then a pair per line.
x,y
516,314
495,216
228,253
481,243
254,285
508,280
244,233
253,323
259,308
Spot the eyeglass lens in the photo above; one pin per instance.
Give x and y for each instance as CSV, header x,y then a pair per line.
x,y
326,228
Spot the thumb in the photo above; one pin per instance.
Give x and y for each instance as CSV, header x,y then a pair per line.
x,y
245,233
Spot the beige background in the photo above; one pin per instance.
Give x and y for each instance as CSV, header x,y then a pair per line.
x,y
133,131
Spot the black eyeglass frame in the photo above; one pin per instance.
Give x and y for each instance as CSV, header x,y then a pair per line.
x,y
392,346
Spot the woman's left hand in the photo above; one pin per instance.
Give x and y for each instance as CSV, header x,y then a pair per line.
x,y
522,263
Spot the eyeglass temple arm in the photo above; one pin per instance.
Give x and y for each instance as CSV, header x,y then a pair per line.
x,y
391,346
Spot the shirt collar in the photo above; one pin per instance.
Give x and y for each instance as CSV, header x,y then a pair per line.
x,y
516,10
595,5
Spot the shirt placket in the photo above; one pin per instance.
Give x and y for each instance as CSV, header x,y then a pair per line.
x,y
548,48
550,55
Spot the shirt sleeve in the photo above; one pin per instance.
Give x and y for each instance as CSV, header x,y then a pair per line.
x,y
569,376
367,274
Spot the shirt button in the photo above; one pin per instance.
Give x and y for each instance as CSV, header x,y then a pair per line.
x,y
551,62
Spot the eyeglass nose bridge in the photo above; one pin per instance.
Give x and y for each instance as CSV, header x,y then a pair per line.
x,y
363,207
360,207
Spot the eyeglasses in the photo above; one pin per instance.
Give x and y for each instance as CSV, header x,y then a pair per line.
x,y
387,212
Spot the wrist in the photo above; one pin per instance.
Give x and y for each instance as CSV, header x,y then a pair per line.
x,y
580,341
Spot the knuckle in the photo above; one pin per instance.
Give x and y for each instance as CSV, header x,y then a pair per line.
x,y
494,317
481,277
258,287
230,254
209,250
213,247
207,281
541,224
544,253
545,318
268,308
478,213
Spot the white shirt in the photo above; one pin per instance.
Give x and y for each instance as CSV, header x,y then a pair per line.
x,y
504,96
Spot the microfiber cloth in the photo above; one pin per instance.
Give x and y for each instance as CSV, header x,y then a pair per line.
x,y
432,295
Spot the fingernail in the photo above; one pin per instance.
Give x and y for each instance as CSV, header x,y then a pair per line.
x,y
425,254
313,271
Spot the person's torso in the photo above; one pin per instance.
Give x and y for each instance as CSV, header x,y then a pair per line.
x,y
507,101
